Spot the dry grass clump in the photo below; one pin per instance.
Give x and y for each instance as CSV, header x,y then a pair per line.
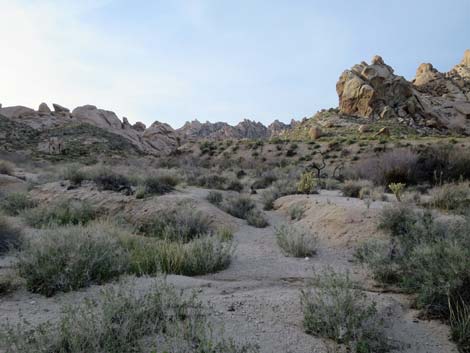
x,y
352,188
451,197
182,224
243,207
6,167
295,242
72,257
215,197
334,308
16,202
66,212
296,212
10,236
279,188
120,321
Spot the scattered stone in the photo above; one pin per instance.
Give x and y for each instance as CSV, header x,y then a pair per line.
x,y
315,132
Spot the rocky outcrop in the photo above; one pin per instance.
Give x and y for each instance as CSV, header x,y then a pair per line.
x,y
433,100
247,129
161,137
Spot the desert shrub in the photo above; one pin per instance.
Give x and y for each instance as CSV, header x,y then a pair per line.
x,y
176,224
234,185
74,173
266,180
107,179
295,242
16,202
207,254
238,206
62,213
460,325
72,257
211,181
279,188
296,212
10,236
6,167
427,257
352,188
159,184
397,166
451,197
120,320
257,219
9,282
215,197
333,308
308,184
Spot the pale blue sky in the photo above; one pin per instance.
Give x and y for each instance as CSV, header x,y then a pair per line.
x,y
177,60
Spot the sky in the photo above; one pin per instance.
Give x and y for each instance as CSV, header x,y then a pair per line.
x,y
215,60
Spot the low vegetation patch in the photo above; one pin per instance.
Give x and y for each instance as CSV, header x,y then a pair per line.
x,y
296,212
177,224
120,321
352,188
334,308
68,258
451,197
427,257
243,207
10,236
279,188
215,197
295,242
16,202
6,167
67,212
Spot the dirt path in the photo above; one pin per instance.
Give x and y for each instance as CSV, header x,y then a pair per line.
x,y
257,298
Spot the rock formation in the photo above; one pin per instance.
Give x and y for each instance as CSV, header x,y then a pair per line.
x,y
432,100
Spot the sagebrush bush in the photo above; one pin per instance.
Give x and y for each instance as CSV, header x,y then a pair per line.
x,y
296,242
66,212
200,256
427,257
352,188
256,218
279,188
107,179
159,184
10,236
215,197
266,180
333,308
296,212
16,202
239,206
120,321
74,173
460,325
451,197
68,258
176,224
6,167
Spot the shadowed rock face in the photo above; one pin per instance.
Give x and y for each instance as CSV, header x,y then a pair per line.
x,y
432,99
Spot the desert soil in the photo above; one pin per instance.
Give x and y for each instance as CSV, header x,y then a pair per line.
x,y
257,298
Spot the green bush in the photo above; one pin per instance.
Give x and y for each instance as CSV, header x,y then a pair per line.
x,y
200,256
451,197
239,206
119,323
352,188
10,236
16,202
6,167
74,173
295,242
178,224
159,184
256,218
279,188
215,197
62,213
333,308
68,258
296,212
106,179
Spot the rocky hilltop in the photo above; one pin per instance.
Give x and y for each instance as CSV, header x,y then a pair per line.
x,y
159,138
247,129
431,100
